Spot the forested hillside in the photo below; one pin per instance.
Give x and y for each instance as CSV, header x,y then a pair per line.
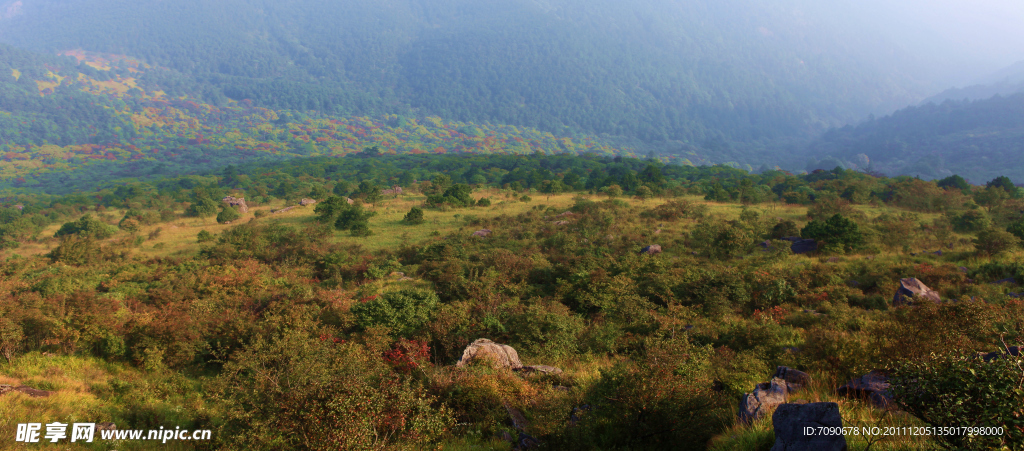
x,y
83,119
979,140
735,77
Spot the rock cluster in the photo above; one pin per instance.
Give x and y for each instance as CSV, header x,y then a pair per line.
x,y
237,202
393,191
306,201
768,395
482,233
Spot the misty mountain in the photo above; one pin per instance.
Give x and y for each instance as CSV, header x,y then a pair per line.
x,y
1007,81
736,76
979,140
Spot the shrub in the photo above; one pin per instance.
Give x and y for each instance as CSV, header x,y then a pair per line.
x,y
414,216
970,221
827,207
202,208
994,241
259,213
837,233
86,226
404,312
484,202
949,390
784,229
309,392
662,399
228,214
1017,229
204,236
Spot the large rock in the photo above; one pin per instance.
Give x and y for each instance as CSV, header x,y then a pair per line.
x,y
804,246
237,202
911,288
306,201
794,379
765,397
651,250
482,233
791,420
497,355
874,387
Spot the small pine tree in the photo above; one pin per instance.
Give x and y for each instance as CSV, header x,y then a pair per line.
x,y
414,216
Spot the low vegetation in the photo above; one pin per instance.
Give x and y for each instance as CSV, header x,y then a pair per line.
x,y
289,328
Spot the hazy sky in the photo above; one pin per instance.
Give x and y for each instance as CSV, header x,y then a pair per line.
x,y
985,34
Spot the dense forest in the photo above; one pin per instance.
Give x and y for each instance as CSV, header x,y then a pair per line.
x,y
979,139
296,325
677,75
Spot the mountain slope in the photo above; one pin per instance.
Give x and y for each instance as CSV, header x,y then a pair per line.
x,y
674,73
979,140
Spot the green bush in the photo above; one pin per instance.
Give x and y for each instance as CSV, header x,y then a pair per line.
x,y
204,236
662,399
970,221
1017,229
484,202
836,234
86,226
948,390
307,391
404,312
202,208
994,241
228,214
414,216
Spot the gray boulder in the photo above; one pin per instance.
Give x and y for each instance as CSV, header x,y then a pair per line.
x,y
911,288
794,379
497,355
4,389
790,421
765,397
804,246
482,233
873,387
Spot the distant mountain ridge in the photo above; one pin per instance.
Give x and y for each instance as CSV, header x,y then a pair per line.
x,y
734,77
1007,81
977,139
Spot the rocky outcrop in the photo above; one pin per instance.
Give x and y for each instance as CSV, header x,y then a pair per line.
x,y
496,355
482,233
4,389
393,191
651,250
873,387
790,421
237,202
911,288
804,246
765,397
306,201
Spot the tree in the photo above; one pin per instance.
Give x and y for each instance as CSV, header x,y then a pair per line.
x,y
203,207
836,234
318,192
993,241
414,216
643,193
404,312
613,191
355,219
1004,183
204,236
370,192
328,210
954,182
